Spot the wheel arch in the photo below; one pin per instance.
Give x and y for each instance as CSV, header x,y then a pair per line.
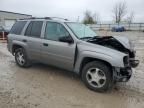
x,y
16,46
86,60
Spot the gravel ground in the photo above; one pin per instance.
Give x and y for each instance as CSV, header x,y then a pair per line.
x,y
42,86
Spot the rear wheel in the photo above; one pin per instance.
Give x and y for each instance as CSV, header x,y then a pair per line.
x,y
97,76
21,58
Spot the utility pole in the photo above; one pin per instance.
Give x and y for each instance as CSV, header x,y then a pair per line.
x,y
78,19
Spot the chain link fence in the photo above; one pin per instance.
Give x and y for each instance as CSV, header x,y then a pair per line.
x,y
128,27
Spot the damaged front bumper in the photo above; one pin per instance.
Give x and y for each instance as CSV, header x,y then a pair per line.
x,y
125,73
134,63
122,74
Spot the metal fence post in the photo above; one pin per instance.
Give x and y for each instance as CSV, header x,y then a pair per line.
x,y
129,26
140,27
3,38
109,27
100,26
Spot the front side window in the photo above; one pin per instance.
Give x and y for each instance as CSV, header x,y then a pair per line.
x,y
18,27
34,29
54,31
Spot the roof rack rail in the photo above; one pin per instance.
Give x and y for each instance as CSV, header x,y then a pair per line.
x,y
50,18
59,18
35,18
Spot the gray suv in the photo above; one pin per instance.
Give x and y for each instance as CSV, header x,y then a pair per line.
x,y
101,61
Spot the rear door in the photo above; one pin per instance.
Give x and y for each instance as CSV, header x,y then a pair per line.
x,y
54,52
16,34
33,40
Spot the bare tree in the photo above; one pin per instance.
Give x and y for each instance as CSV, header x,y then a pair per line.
x,y
88,18
96,18
119,11
130,18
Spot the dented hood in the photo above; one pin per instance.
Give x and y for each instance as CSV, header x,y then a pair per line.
x,y
119,43
124,41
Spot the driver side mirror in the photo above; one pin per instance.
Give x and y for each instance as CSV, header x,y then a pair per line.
x,y
67,39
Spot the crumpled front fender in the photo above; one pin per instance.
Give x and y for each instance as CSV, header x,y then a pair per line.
x,y
115,61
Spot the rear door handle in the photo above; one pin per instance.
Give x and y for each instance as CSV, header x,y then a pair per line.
x,y
24,40
45,44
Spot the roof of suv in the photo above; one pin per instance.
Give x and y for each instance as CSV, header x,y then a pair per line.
x,y
45,18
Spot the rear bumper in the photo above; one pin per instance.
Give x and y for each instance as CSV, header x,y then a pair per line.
x,y
122,74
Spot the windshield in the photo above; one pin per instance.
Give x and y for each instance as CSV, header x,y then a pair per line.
x,y
81,30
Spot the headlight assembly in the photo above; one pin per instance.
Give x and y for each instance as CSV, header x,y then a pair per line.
x,y
126,61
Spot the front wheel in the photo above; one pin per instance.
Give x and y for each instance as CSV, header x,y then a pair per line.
x,y
21,58
97,76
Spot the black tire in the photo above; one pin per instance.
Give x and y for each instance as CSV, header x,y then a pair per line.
x,y
105,69
26,62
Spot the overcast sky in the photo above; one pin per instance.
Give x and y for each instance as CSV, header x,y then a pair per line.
x,y
71,9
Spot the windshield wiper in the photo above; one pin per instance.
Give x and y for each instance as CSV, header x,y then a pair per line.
x,y
92,38
88,37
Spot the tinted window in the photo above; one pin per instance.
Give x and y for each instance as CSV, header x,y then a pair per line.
x,y
54,31
28,30
34,29
18,27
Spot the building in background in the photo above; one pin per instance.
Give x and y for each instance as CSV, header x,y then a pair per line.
x,y
7,19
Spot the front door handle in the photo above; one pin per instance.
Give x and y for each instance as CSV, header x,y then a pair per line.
x,y
24,40
45,44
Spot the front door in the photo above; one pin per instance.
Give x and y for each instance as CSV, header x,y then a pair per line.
x,y
54,52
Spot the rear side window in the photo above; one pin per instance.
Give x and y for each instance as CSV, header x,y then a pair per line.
x,y
18,27
34,29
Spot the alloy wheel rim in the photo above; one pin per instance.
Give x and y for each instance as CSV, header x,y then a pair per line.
x,y
96,77
20,58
